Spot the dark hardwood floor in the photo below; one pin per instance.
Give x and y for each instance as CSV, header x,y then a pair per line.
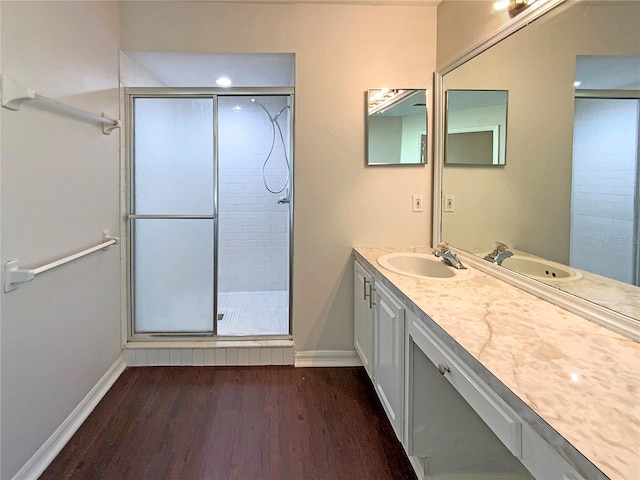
x,y
244,423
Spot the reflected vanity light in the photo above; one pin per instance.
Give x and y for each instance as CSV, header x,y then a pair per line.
x,y
513,6
500,5
384,96
575,377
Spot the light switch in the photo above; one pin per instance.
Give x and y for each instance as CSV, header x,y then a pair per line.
x,y
449,203
417,205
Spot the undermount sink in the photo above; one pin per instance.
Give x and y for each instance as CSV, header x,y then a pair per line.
x,y
422,265
540,269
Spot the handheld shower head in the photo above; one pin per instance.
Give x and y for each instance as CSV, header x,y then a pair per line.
x,y
272,119
275,126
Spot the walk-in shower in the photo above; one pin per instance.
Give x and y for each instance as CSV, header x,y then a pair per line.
x,y
253,255
210,213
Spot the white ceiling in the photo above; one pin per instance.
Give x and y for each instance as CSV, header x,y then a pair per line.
x,y
176,69
600,72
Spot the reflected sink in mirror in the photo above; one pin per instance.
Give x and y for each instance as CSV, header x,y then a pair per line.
x,y
540,269
422,265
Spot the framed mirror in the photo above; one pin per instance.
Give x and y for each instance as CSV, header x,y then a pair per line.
x,y
396,126
476,127
567,204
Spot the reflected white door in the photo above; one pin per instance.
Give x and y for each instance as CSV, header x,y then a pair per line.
x,y
173,216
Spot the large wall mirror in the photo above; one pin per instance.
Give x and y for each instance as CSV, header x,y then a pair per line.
x,y
566,203
396,126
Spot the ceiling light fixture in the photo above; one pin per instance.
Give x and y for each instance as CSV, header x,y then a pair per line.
x,y
577,83
223,82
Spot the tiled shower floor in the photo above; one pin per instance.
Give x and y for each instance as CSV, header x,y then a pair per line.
x,y
253,313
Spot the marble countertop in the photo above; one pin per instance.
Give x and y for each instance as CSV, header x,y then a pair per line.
x,y
581,379
618,296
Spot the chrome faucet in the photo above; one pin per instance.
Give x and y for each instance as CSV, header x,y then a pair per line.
x,y
442,250
499,254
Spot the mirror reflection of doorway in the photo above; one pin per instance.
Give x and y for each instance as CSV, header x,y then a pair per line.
x,y
605,177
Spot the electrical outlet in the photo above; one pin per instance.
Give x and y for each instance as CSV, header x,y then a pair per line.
x,y
449,203
417,203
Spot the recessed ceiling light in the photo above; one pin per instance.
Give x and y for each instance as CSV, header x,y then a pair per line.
x,y
577,83
223,82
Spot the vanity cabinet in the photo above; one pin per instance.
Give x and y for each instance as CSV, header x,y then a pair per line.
x,y
389,356
456,425
459,426
363,315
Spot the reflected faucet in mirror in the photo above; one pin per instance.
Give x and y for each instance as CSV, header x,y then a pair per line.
x,y
570,186
499,254
442,251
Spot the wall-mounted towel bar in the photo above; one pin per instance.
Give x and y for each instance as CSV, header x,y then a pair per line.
x,y
13,275
15,94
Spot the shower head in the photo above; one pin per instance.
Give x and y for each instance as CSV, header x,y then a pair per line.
x,y
272,119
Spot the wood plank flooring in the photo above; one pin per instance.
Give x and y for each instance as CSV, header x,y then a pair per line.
x,y
236,423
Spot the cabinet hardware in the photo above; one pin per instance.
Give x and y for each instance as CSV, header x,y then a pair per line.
x,y
443,369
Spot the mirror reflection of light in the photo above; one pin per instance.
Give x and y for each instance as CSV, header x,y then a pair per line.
x,y
237,108
575,377
500,5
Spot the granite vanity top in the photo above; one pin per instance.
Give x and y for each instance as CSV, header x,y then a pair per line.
x,y
581,379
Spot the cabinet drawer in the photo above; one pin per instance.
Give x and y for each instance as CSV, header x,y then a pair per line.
x,y
504,423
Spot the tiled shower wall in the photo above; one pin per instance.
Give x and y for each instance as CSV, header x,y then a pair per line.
x,y
253,227
604,187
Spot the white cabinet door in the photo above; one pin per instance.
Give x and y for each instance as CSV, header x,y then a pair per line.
x,y
389,357
363,316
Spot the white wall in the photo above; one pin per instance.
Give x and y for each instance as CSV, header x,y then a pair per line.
x,y
61,332
341,51
464,23
413,127
384,139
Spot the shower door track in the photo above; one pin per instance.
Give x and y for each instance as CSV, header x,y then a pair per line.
x,y
128,218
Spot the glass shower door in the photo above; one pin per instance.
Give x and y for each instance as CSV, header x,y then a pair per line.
x,y
173,216
254,167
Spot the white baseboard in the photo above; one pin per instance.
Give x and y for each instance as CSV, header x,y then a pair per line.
x,y
54,444
327,358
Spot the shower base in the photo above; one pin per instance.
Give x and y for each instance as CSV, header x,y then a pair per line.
x,y
253,313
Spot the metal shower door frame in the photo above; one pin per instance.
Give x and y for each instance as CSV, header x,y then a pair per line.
x,y
131,93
